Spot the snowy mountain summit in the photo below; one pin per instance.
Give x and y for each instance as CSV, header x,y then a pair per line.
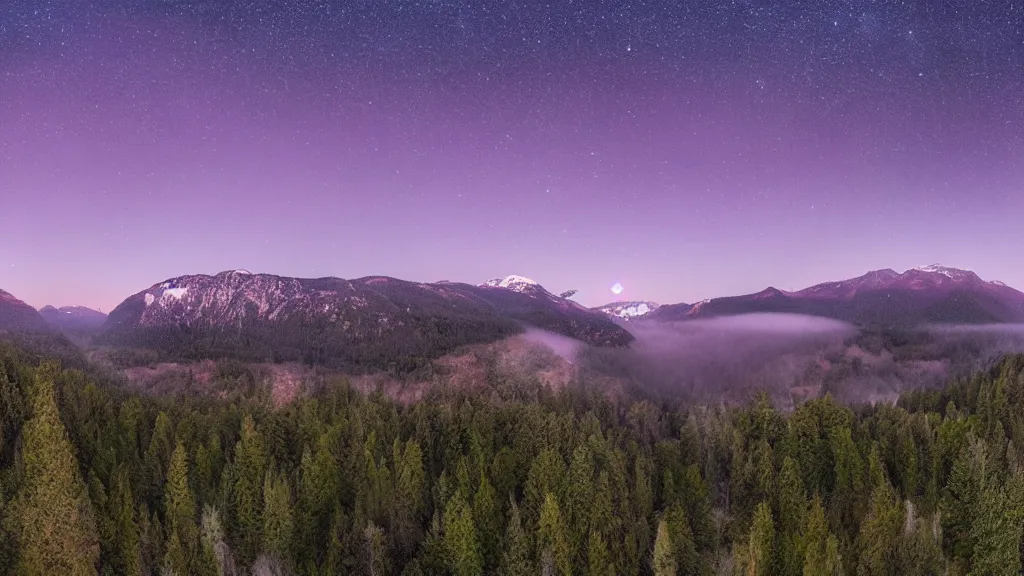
x,y
628,310
952,273
515,283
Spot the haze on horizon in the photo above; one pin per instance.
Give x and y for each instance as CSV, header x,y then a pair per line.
x,y
686,152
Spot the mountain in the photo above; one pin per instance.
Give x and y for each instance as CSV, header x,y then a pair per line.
x,y
515,283
628,310
73,319
929,294
17,317
368,322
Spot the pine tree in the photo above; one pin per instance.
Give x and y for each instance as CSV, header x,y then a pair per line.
x,y
125,557
547,475
760,560
791,503
246,500
599,562
664,558
879,533
821,549
552,541
996,533
51,513
181,507
278,523
515,556
462,549
579,495
176,560
688,560
487,519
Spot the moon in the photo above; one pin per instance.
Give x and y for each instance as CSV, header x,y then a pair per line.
x,y
617,289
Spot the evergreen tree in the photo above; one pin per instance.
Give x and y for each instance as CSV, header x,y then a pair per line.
x,y
278,523
687,558
996,528
919,552
599,562
487,520
176,559
664,558
821,549
124,555
553,551
515,556
462,550
547,475
880,533
181,508
246,500
759,554
51,513
579,495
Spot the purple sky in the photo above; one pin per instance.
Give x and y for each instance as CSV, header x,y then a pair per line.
x,y
686,152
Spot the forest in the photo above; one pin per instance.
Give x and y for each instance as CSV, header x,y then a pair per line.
x,y
95,479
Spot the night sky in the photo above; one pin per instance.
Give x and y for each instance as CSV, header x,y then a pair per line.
x,y
684,149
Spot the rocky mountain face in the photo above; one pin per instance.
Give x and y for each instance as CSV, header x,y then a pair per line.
x,y
77,320
375,321
628,310
931,294
16,316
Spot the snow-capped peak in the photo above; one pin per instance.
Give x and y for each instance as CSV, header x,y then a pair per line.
x,y
954,273
513,282
509,281
628,310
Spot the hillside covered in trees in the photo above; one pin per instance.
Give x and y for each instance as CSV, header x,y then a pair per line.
x,y
96,480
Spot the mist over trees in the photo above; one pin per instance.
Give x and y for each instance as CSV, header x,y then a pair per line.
x,y
795,357
96,480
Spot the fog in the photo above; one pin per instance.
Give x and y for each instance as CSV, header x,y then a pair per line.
x,y
564,346
721,359
794,357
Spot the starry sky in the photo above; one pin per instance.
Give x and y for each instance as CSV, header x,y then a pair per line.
x,y
685,149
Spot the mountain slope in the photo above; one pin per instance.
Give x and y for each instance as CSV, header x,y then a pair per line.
x,y
368,322
931,294
16,316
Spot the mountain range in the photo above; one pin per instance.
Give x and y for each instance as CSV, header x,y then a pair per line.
x,y
382,321
375,321
927,295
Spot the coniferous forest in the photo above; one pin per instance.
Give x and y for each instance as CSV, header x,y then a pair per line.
x,y
98,480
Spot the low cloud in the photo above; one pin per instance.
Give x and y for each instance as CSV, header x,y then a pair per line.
x,y
795,357
721,358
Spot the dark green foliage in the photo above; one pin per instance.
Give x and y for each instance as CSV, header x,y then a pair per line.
x,y
97,480
50,514
462,550
515,557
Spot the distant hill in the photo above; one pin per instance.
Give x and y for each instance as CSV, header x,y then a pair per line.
x,y
73,320
368,322
931,294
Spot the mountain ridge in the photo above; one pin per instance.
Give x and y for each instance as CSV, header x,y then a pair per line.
x,y
928,294
365,321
